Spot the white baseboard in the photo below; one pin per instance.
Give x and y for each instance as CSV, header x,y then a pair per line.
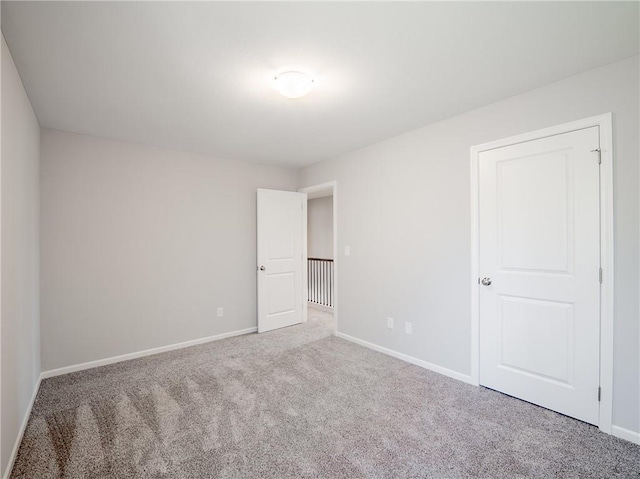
x,y
627,434
148,352
23,427
617,431
104,362
410,359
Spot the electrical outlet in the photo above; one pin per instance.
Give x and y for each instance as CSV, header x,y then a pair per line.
x,y
220,312
408,327
390,323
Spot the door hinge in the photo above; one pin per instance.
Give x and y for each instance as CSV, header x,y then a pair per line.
x,y
600,275
597,150
599,393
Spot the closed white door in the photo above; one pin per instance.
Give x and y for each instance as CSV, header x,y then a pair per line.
x,y
282,220
539,267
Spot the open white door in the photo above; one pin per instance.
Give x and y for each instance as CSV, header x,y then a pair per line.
x,y
282,217
540,269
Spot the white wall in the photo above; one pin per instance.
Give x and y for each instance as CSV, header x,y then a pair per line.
x,y
404,210
19,328
140,245
320,228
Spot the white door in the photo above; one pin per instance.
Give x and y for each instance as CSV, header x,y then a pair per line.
x,y
282,219
540,265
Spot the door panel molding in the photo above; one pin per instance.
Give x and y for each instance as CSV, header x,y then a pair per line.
x,y
604,123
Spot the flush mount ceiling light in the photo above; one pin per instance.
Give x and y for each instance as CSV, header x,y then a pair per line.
x,y
293,84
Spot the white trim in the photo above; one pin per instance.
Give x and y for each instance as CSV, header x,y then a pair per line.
x,y
23,427
305,242
475,270
104,362
2,45
147,352
626,434
335,255
410,359
320,187
617,431
605,125
334,187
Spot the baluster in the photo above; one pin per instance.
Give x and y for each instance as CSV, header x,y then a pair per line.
x,y
331,286
308,280
324,283
313,282
321,280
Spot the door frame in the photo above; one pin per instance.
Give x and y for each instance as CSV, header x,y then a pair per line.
x,y
605,124
333,185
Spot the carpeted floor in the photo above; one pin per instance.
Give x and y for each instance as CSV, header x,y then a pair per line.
x,y
298,403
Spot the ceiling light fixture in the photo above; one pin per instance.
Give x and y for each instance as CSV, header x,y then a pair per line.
x,y
293,84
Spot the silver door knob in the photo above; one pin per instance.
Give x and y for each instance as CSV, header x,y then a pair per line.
x,y
262,268
486,281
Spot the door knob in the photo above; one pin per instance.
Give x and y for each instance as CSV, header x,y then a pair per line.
x,y
262,268
486,281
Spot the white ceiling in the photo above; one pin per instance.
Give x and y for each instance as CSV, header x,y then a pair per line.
x,y
197,76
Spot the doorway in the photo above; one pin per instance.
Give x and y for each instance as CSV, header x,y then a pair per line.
x,y
542,268
321,254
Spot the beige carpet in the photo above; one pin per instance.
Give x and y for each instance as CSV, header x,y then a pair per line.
x,y
298,403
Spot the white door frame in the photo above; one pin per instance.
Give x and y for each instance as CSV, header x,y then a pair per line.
x,y
311,189
605,124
